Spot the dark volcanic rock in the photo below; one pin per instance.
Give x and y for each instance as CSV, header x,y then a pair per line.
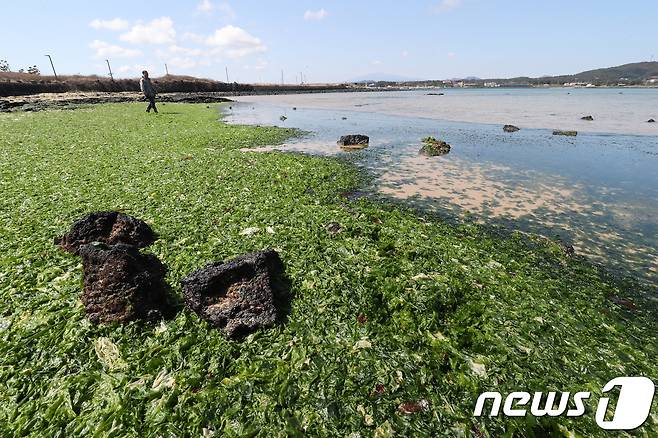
x,y
651,121
511,128
333,228
239,296
569,250
354,141
567,133
108,227
587,118
122,284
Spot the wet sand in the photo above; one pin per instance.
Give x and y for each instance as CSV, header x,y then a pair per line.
x,y
615,110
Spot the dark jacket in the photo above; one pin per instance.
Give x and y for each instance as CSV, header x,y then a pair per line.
x,y
147,87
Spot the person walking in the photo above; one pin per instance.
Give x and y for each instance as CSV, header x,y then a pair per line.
x,y
148,89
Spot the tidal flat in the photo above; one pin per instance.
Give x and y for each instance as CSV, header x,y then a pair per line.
x,y
392,309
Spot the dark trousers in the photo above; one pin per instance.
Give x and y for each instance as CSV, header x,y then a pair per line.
x,y
151,104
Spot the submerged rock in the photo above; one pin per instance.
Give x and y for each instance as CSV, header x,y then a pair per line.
x,y
122,284
567,133
435,94
434,147
511,128
108,227
237,296
587,118
283,118
354,141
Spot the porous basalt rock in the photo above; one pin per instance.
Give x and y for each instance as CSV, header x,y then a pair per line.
x,y
122,284
354,141
239,296
587,118
108,227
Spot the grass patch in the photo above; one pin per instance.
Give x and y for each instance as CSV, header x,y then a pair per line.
x,y
392,310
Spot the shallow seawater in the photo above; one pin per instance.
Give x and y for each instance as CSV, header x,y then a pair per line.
x,y
596,191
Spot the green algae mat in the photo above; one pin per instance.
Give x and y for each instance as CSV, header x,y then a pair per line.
x,y
398,321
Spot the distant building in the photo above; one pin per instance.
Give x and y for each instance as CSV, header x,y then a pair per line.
x,y
491,84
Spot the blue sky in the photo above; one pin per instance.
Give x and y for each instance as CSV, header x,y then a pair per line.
x,y
328,40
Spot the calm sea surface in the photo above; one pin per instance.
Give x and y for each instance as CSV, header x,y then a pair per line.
x,y
598,191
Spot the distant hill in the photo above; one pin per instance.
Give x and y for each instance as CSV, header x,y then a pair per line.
x,y
638,73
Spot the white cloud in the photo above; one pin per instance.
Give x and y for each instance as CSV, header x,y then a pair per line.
x,y
227,11
158,31
114,24
447,5
205,6
261,64
235,42
134,69
186,63
184,51
315,15
128,68
194,37
107,50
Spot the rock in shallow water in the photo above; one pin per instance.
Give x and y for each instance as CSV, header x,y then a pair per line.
x,y
354,141
567,133
511,128
434,147
122,284
108,227
238,296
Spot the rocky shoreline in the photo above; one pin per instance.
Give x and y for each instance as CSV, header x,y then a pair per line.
x,y
73,100
40,102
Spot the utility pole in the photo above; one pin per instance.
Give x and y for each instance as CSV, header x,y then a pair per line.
x,y
110,69
166,69
227,81
301,78
52,65
281,77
